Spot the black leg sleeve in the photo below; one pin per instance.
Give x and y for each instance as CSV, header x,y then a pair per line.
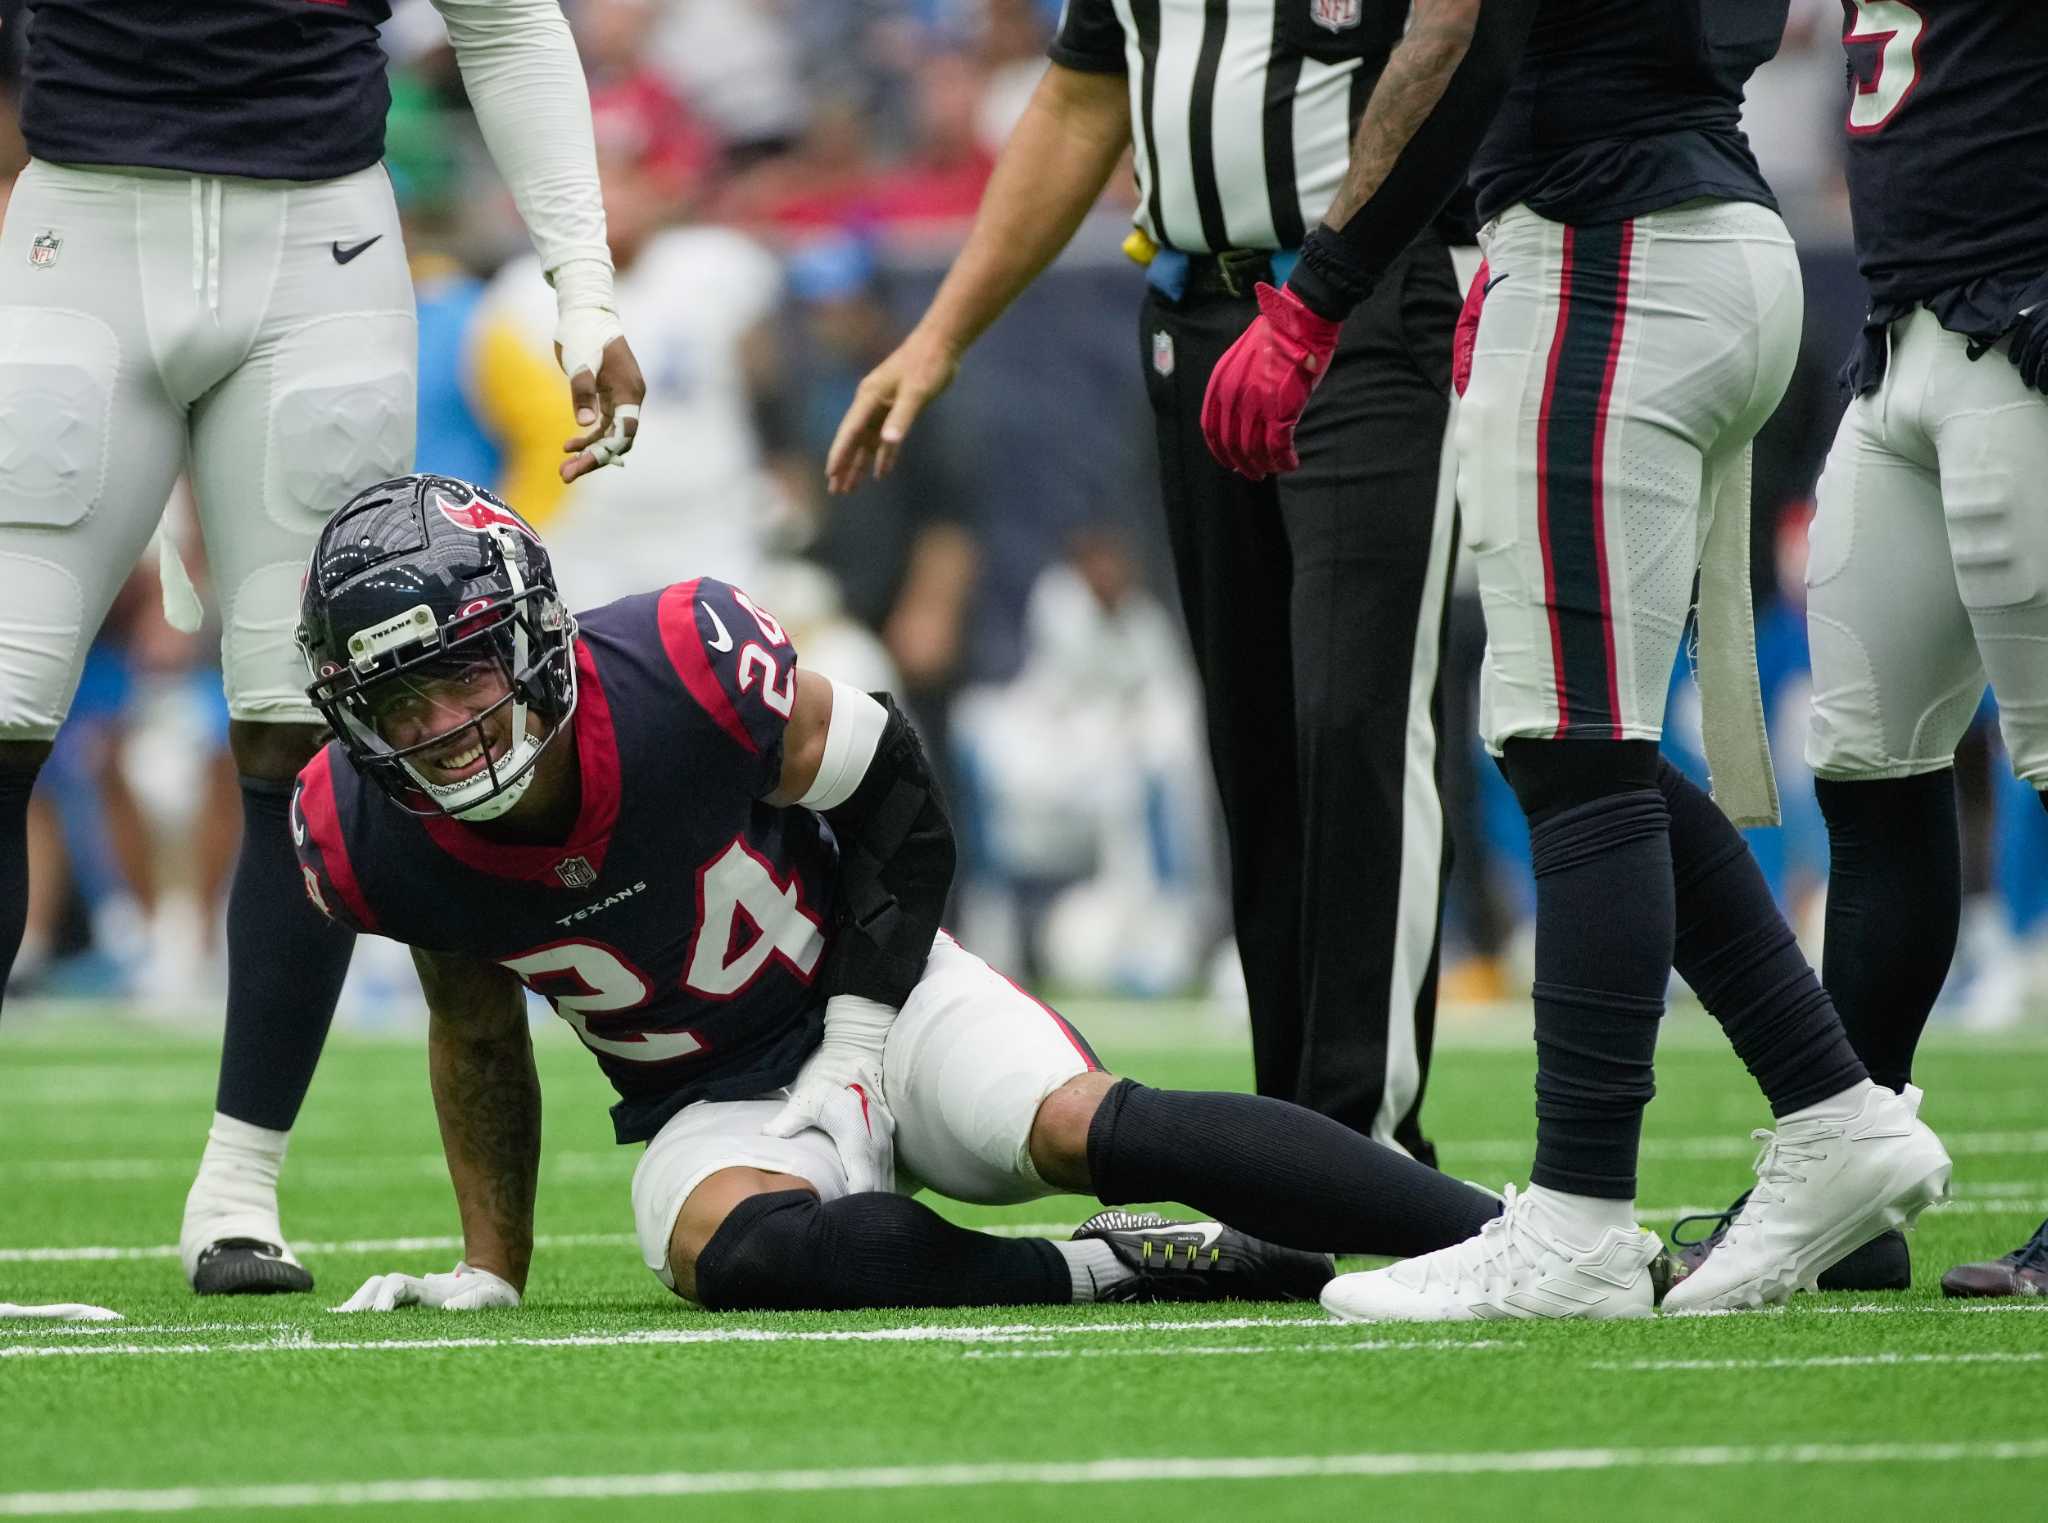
x,y
1277,1171
286,962
1895,900
788,1252
1742,960
15,787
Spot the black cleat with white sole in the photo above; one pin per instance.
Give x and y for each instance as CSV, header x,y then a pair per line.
x,y
1202,1261
245,1266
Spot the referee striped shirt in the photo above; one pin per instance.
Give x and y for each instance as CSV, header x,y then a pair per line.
x,y
1242,111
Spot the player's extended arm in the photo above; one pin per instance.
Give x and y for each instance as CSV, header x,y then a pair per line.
x,y
1428,112
854,758
1050,172
487,1097
525,83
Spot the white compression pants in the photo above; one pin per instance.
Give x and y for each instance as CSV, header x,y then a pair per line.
x,y
968,1062
1929,565
152,323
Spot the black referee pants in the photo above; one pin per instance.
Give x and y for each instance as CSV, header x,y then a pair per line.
x,y
1315,602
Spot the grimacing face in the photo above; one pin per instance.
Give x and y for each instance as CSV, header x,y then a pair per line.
x,y
411,710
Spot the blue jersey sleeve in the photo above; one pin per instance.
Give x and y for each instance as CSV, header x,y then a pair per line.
x,y
738,664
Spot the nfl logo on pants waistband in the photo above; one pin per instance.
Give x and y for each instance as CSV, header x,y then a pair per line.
x,y
43,252
576,872
1162,351
1335,15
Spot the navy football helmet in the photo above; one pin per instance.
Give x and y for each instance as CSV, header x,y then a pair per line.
x,y
428,580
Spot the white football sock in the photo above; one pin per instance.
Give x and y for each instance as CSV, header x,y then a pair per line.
x,y
1839,1107
238,1171
1095,1268
1580,1219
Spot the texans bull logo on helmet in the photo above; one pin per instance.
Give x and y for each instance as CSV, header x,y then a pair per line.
x,y
480,516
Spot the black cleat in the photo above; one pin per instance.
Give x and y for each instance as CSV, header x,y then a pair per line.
x,y
2023,1272
1203,1261
244,1266
1883,1263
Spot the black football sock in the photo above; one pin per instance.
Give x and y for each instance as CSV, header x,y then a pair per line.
x,y
286,962
1277,1171
15,787
1741,959
788,1252
1895,900
1604,927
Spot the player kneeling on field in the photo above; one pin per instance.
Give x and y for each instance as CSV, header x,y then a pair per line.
x,y
726,874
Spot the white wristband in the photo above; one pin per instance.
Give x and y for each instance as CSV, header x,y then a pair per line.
x,y
851,737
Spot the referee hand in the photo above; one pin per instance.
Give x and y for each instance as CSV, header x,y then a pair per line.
x,y
886,403
1259,389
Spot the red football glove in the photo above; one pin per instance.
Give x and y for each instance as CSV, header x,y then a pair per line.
x,y
1466,336
1260,387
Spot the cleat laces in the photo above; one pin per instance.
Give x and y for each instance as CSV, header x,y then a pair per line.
x,y
2033,1253
1776,1172
1495,1258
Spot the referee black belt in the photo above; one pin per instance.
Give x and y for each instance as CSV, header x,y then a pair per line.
x,y
1232,273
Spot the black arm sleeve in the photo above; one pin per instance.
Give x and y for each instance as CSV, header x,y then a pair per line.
x,y
895,870
1090,40
1340,266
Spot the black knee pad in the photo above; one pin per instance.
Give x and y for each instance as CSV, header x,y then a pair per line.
x,y
759,1258
1551,776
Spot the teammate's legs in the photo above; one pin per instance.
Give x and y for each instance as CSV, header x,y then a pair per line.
x,y
1896,677
90,444
1232,565
1371,519
322,405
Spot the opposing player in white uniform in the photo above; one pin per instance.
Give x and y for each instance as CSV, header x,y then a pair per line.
x,y
201,270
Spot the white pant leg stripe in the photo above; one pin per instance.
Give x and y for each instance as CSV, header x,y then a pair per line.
x,y
1420,907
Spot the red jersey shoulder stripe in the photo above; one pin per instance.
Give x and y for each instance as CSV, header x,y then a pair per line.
x,y
323,825
684,641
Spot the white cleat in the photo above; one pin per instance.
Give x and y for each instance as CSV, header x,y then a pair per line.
x,y
1826,1184
1516,1267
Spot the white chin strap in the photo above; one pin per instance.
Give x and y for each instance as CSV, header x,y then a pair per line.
x,y
472,798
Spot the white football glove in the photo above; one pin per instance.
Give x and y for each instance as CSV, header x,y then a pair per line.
x,y
839,1091
461,1289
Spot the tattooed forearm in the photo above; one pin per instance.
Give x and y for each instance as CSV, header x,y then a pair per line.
x,y
487,1097
1416,75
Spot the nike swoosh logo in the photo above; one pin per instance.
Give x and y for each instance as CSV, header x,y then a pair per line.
x,y
344,255
724,640
1491,284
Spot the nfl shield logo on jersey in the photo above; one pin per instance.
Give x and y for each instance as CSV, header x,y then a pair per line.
x,y
576,872
43,252
1162,351
1335,15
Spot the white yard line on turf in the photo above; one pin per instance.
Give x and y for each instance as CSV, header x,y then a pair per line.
x,y
1216,1350
1451,1464
296,1340
1816,1362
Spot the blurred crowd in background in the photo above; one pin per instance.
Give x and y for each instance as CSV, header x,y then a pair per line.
x,y
785,182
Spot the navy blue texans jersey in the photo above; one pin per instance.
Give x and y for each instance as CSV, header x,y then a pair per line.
x,y
262,89
1622,107
681,929
1948,155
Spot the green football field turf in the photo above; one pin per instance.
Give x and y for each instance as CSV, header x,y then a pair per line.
x,y
606,1398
